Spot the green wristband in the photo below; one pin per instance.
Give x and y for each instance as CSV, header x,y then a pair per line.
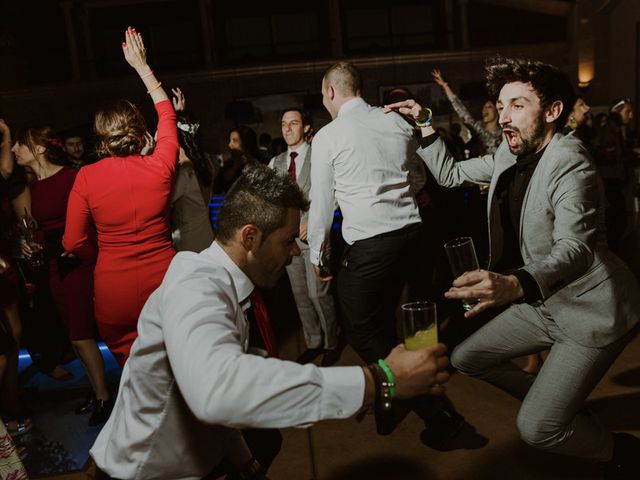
x,y
387,371
427,121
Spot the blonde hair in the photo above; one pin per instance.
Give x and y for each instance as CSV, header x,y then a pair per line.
x,y
120,129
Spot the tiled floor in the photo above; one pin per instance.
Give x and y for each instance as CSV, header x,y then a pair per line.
x,y
60,440
341,450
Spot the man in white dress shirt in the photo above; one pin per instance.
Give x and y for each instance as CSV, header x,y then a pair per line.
x,y
190,385
364,158
313,297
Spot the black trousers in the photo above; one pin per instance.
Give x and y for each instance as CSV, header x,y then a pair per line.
x,y
374,272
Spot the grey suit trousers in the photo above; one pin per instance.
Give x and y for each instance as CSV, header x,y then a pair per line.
x,y
551,416
314,302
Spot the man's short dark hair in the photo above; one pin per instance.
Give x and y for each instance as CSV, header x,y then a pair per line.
x,y
345,78
261,197
397,94
549,83
306,118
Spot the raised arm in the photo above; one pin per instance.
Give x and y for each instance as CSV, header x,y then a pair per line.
x,y
136,56
457,105
166,148
433,151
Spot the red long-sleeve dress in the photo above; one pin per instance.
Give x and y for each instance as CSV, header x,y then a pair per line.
x,y
127,199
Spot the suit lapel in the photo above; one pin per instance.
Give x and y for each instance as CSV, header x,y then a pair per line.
x,y
304,181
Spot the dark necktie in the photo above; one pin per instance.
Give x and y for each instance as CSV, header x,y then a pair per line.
x,y
259,316
292,166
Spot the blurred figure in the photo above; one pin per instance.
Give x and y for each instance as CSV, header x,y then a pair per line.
x,y
577,121
69,279
244,151
264,147
74,147
126,196
279,145
190,223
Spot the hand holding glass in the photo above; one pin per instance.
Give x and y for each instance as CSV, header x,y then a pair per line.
x,y
419,325
36,257
462,258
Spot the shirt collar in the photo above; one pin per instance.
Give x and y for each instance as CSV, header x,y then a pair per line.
x,y
351,105
301,150
531,159
244,286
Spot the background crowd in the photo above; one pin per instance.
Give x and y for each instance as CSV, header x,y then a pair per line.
x,y
90,225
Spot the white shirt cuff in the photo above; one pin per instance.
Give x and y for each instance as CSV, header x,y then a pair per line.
x,y
342,392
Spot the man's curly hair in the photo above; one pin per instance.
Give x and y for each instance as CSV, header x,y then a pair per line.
x,y
549,83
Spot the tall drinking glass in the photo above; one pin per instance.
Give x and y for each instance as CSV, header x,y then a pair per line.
x,y
29,237
462,258
419,325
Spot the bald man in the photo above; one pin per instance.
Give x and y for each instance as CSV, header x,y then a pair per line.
x,y
365,160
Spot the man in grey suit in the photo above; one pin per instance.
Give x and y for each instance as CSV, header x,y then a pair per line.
x,y
313,297
564,290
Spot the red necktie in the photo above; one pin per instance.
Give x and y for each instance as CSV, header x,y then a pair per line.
x,y
263,322
292,166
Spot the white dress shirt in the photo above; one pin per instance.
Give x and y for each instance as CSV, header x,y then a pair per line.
x,y
188,384
302,154
364,156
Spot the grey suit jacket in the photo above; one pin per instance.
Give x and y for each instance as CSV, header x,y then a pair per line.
x,y
589,292
303,180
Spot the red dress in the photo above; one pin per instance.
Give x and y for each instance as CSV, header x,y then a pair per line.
x,y
70,280
127,199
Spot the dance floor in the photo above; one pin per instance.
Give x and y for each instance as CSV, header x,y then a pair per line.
x,y
341,450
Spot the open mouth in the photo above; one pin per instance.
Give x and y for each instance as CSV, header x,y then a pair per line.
x,y
513,138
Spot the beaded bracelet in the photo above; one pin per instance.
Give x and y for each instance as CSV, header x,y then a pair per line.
x,y
390,380
427,121
383,389
155,88
147,74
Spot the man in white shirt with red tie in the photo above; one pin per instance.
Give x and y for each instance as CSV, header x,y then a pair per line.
x,y
191,384
313,297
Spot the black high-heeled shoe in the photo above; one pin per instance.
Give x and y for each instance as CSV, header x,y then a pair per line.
x,y
101,412
88,405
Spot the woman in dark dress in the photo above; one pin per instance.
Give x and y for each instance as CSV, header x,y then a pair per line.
x,y
69,279
190,223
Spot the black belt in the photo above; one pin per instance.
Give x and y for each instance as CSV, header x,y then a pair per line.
x,y
397,233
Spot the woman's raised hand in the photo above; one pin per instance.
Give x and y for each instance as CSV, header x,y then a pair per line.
x,y
134,51
179,102
437,77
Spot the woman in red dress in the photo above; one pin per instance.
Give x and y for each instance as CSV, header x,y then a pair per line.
x,y
69,279
126,196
